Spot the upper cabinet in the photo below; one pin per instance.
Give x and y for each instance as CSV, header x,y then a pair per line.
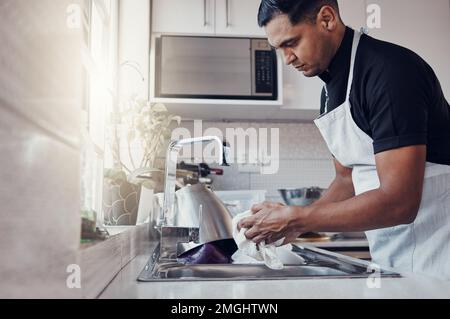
x,y
238,18
183,16
207,17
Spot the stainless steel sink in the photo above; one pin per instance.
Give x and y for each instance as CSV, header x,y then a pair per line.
x,y
318,264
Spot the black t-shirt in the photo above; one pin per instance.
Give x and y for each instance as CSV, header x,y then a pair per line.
x,y
396,97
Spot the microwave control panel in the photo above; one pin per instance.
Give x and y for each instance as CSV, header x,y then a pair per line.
x,y
264,69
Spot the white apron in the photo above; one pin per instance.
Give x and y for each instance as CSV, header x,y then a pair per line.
x,y
424,245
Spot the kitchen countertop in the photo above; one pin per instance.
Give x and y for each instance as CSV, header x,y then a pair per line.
x,y
411,286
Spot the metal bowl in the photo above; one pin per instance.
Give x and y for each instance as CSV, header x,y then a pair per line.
x,y
301,196
307,196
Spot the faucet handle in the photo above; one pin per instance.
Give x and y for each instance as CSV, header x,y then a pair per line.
x,y
226,159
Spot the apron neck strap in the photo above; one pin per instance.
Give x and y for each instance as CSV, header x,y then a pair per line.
x,y
356,38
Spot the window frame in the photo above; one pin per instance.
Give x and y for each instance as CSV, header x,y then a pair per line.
x,y
100,62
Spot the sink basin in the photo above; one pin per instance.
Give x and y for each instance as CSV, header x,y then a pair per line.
x,y
318,264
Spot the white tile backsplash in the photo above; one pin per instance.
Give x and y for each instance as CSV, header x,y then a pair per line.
x,y
298,140
294,173
232,179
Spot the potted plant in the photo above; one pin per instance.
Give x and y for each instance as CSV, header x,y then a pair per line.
x,y
149,126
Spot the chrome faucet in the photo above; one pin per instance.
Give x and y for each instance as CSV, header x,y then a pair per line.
x,y
172,235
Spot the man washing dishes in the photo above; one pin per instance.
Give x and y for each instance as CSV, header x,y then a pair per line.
x,y
386,122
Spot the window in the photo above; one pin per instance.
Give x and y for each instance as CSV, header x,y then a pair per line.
x,y
100,68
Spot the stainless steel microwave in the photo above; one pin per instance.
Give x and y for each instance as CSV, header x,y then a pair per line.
x,y
215,68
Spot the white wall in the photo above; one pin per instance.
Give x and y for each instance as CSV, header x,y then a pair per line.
x,y
40,107
134,46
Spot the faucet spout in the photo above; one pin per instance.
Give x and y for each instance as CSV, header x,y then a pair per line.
x,y
166,214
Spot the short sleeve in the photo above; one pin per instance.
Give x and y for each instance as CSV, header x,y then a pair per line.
x,y
398,106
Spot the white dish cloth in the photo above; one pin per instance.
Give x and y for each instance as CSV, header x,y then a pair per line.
x,y
273,255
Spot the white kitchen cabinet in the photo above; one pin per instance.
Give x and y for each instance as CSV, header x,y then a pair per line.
x,y
422,26
207,17
183,16
238,18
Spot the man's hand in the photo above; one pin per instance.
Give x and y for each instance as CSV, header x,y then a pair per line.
x,y
270,222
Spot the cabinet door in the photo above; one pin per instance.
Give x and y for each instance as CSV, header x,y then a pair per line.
x,y
183,16
422,26
238,18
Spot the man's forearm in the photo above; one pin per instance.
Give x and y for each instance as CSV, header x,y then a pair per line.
x,y
395,202
340,189
371,210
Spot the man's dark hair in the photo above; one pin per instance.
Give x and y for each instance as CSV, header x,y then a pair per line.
x,y
297,10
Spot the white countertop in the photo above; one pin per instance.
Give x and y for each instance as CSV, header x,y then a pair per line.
x,y
414,286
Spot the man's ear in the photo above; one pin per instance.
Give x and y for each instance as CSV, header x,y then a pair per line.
x,y
328,18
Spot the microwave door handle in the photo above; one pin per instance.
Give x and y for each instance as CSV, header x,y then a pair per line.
x,y
204,14
227,9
